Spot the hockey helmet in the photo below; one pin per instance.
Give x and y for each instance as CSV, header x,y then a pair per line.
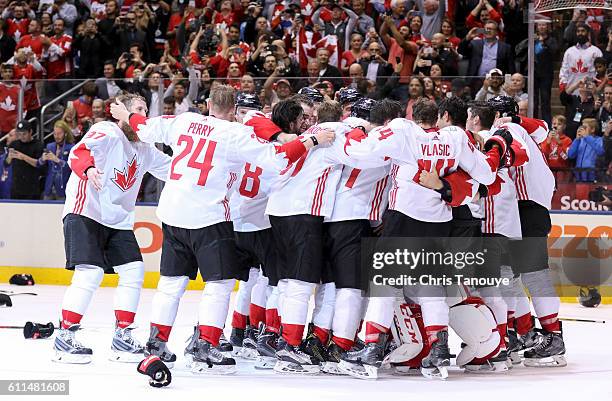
x,y
348,95
248,100
505,105
311,94
589,297
362,108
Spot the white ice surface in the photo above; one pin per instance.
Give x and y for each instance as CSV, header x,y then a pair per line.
x,y
588,374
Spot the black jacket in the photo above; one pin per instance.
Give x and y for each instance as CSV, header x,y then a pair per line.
x,y
7,47
472,50
384,70
331,74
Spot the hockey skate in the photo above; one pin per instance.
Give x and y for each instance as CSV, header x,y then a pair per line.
x,y
159,348
364,364
68,349
236,341
190,348
514,346
529,340
225,346
434,365
267,344
549,352
333,357
210,360
313,346
293,360
126,348
496,364
249,344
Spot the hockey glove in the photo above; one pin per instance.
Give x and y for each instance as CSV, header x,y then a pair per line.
x,y
158,372
503,138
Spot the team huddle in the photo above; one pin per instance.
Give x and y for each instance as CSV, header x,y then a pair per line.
x,y
282,203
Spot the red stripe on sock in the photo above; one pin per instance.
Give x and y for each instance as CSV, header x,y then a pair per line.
x,y
70,318
164,331
502,328
257,314
373,330
432,333
211,334
550,323
124,318
343,343
272,320
322,334
239,321
523,324
292,333
510,319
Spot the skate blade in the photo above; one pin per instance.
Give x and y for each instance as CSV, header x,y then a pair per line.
x,y
62,357
515,358
202,368
331,368
188,361
366,372
125,357
248,353
295,368
406,371
265,362
493,367
439,373
555,361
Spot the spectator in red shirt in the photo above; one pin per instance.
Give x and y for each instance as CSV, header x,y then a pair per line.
x,y
225,15
555,148
482,13
401,49
57,55
17,20
353,54
448,30
9,94
33,40
27,66
82,105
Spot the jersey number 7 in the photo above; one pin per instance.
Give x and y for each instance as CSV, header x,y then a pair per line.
x,y
205,166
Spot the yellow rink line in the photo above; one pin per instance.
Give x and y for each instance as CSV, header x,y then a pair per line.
x,y
60,276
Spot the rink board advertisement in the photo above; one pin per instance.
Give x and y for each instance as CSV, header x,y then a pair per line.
x,y
31,241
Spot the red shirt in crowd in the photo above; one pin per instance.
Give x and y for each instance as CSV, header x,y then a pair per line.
x,y
556,153
33,42
17,28
28,72
58,59
9,94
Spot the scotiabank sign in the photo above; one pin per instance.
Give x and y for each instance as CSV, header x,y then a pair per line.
x,y
35,226
575,196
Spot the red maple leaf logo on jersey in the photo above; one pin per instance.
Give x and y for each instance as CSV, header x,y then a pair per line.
x,y
126,178
355,134
579,68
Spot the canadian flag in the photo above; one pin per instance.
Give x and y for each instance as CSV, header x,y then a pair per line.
x,y
307,7
8,107
330,42
307,51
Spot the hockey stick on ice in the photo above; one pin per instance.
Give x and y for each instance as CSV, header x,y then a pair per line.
x,y
571,319
13,293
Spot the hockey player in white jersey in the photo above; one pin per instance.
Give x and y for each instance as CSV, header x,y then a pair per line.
x,y
415,211
194,209
108,165
535,185
361,198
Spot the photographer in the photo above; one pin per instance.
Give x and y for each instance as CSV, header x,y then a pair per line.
x,y
603,108
342,23
126,34
203,50
585,149
91,46
580,106
130,61
23,155
375,67
555,149
55,158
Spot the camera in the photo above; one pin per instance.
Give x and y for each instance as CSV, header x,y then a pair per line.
x,y
597,195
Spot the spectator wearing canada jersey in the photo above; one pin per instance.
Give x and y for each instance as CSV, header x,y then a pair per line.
x,y
25,65
402,48
107,169
58,57
555,149
203,241
33,40
82,105
17,16
9,95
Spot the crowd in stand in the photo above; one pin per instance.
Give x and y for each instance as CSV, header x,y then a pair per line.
x,y
172,52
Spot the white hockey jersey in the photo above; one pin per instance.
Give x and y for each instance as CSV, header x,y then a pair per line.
x,y
309,187
124,163
534,180
578,62
361,194
411,150
207,153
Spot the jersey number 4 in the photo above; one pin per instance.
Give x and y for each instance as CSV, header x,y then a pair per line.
x,y
204,166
